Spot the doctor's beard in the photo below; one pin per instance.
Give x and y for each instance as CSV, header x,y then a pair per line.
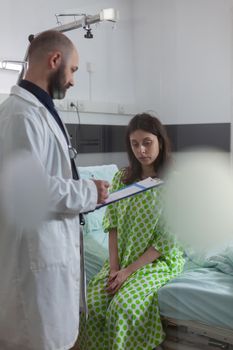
x,y
56,85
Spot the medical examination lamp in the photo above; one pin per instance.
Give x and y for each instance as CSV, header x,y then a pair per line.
x,y
84,22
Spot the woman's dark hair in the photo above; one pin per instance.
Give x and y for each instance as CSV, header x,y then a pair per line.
x,y
148,123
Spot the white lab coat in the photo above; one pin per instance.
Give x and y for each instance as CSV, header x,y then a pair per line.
x,y
40,270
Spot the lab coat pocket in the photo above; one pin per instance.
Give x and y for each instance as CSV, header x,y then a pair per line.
x,y
48,246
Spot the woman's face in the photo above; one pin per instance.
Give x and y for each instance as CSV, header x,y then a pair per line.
x,y
145,146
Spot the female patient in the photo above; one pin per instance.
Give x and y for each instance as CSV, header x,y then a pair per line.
x,y
123,296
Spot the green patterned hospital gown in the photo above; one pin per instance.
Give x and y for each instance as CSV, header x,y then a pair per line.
x,y
130,319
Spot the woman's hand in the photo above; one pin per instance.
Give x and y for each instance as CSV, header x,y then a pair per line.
x,y
116,279
112,275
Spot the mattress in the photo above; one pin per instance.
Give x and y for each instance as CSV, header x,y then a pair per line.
x,y
204,295
95,252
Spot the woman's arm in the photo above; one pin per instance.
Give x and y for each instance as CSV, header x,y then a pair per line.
x,y
121,276
113,251
149,256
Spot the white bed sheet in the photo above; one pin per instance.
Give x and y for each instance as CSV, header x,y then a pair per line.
x,y
204,295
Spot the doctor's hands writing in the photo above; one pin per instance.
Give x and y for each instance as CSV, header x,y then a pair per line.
x,y
102,190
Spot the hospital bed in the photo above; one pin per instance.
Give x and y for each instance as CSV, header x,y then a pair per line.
x,y
196,307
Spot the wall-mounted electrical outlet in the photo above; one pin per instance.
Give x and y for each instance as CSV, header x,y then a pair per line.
x,y
71,105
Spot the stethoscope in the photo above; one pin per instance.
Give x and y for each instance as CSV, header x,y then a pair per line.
x,y
73,155
72,152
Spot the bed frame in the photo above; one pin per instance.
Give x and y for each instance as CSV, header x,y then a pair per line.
x,y
192,335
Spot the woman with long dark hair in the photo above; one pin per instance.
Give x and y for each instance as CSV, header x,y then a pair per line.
x,y
143,255
145,123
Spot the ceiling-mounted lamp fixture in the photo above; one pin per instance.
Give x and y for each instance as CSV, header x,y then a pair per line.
x,y
109,15
86,20
12,65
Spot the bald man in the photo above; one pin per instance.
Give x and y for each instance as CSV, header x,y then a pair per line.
x,y
39,255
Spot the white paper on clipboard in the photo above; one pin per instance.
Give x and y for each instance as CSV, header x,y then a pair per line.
x,y
131,190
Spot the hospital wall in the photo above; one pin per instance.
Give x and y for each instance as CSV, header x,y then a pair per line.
x,y
172,57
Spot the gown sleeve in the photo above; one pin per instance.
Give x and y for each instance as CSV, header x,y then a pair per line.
x,y
111,218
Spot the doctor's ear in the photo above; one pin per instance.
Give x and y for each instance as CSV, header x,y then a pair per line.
x,y
54,60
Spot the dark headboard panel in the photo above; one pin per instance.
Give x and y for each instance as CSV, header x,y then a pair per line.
x,y
111,138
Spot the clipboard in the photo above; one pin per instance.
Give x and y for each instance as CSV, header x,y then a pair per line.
x,y
131,190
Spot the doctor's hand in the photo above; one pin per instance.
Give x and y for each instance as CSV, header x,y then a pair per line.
x,y
102,190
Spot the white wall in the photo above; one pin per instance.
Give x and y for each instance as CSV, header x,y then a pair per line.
x,y
183,69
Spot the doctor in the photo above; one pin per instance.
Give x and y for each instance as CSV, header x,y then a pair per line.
x,y
39,267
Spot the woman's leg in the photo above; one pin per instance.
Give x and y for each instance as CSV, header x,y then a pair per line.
x,y
133,319
91,333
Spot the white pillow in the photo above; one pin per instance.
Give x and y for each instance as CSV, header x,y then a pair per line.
x,y
99,172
